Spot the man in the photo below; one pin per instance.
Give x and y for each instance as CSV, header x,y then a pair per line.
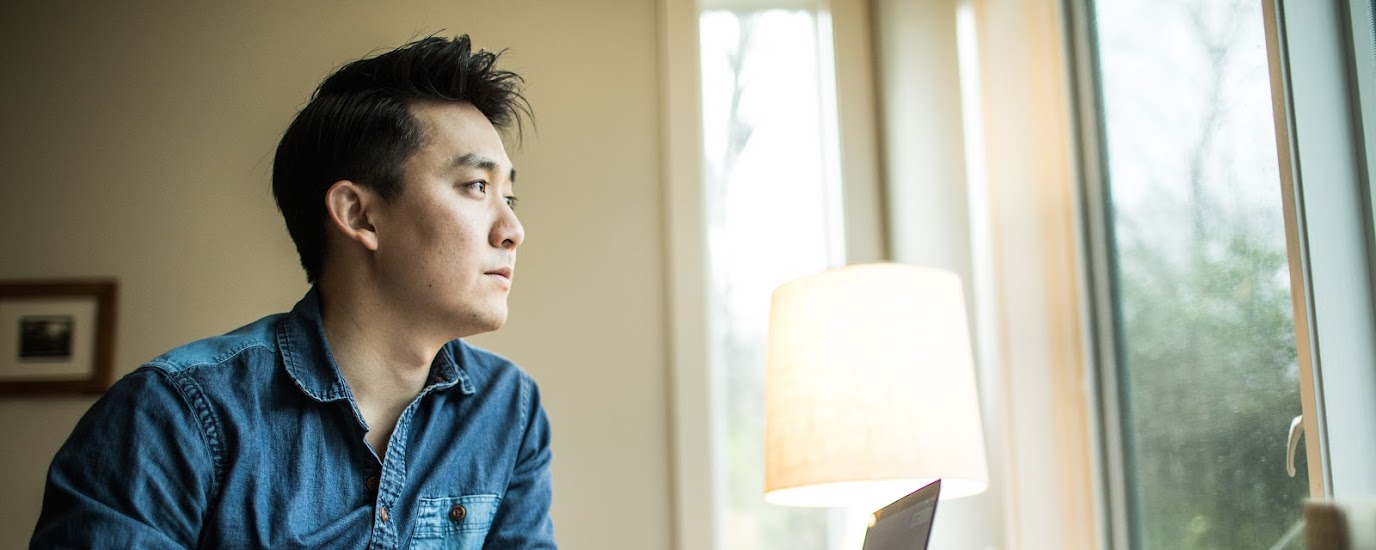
x,y
357,420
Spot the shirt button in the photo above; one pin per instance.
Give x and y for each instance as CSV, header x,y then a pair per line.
x,y
371,483
382,513
457,513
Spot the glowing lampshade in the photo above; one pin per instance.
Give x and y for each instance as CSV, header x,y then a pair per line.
x,y
871,388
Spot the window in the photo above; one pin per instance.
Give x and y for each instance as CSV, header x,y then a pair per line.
x,y
770,172
1192,265
1202,374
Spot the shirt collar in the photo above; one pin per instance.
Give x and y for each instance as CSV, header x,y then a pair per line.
x,y
310,364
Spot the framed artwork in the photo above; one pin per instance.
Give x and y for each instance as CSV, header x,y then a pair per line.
x,y
56,336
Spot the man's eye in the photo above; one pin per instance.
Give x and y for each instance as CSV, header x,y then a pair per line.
x,y
479,186
511,202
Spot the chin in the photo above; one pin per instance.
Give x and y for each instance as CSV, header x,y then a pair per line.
x,y
479,322
495,324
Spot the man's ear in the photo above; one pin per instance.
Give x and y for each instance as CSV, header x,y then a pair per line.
x,y
349,207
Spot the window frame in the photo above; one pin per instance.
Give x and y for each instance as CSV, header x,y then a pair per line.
x,y
1097,234
1322,111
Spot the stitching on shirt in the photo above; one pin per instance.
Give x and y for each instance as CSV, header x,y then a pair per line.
x,y
178,366
523,463
296,365
432,513
526,382
459,355
286,339
207,425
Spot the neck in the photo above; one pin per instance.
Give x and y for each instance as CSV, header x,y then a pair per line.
x,y
382,357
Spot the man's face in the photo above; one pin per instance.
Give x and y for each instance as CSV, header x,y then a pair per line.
x,y
447,243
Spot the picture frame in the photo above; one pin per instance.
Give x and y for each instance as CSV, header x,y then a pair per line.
x,y
57,336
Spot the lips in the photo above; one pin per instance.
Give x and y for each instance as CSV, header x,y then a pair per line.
x,y
504,273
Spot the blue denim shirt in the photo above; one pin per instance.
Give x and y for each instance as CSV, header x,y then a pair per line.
x,y
253,440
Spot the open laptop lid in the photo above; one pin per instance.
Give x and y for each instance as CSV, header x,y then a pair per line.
x,y
907,523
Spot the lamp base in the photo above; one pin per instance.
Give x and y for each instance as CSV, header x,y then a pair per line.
x,y
857,521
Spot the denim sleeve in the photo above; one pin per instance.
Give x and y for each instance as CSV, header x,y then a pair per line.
x,y
136,472
522,519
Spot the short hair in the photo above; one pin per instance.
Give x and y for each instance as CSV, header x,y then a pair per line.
x,y
358,126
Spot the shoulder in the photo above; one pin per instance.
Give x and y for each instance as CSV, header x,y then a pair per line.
x,y
483,365
257,336
491,373
498,380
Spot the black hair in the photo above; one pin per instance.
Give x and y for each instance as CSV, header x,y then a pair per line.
x,y
358,126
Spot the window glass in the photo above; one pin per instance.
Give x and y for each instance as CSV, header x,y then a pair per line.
x,y
1207,376
765,146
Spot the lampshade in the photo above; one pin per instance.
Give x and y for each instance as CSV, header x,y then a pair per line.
x,y
871,388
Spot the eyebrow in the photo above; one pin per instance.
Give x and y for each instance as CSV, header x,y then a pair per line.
x,y
486,164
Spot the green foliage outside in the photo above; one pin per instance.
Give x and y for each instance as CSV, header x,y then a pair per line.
x,y
1207,373
1211,382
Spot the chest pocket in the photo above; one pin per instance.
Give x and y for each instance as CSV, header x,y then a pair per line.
x,y
453,523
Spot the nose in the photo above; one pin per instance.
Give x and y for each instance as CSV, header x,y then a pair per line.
x,y
507,232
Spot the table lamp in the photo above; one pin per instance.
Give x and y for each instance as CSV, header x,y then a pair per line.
x,y
870,392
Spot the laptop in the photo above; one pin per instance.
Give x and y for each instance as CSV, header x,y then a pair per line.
x,y
907,523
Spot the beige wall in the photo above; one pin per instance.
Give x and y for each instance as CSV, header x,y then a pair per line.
x,y
137,142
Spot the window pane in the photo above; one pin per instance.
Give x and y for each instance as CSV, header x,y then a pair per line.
x,y
1208,381
764,148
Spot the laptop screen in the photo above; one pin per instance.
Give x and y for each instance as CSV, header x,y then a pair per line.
x,y
907,523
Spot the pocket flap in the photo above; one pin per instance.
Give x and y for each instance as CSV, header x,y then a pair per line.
x,y
440,516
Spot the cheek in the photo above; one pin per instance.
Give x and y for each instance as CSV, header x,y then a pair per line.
x,y
446,233
463,245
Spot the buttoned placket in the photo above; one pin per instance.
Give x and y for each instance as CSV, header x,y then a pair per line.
x,y
393,476
389,485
